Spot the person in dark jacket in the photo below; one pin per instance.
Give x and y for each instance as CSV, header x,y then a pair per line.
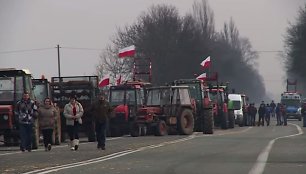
x,y
46,117
284,113
278,114
261,113
100,111
268,114
26,110
252,112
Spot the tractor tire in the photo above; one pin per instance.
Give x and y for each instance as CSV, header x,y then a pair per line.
x,y
115,131
161,128
208,122
135,130
185,122
7,139
231,119
35,135
224,120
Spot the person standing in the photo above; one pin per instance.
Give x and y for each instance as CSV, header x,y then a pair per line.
x,y
252,113
46,117
284,114
268,114
73,111
100,111
273,106
26,110
278,114
261,113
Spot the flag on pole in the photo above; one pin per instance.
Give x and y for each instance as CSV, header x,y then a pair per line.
x,y
202,77
118,81
206,63
104,82
127,52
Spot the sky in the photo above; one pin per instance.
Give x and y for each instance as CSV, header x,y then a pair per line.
x,y
83,28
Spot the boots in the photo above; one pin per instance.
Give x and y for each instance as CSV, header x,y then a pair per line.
x,y
76,144
71,145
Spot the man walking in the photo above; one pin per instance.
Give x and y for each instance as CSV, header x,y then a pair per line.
x,y
100,111
26,110
261,113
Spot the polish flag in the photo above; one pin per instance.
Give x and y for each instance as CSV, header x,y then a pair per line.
x,y
206,63
127,51
118,81
104,82
202,77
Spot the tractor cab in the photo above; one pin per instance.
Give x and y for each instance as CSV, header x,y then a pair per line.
x,y
167,108
13,83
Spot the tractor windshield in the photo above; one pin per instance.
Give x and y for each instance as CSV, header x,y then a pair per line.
x,y
153,97
117,97
9,86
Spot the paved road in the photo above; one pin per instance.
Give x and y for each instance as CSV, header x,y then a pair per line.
x,y
273,149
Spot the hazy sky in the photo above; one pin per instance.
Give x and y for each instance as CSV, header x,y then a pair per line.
x,y
42,24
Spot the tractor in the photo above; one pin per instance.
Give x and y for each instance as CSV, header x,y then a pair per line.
x,y
168,110
13,83
126,99
202,104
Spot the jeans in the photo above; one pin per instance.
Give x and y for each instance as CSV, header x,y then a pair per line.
x,y
73,131
261,120
25,136
101,133
47,134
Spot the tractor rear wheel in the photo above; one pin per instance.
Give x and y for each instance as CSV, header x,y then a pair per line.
x,y
161,128
208,122
224,120
135,130
185,122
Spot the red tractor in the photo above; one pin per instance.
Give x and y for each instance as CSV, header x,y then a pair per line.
x,y
126,99
13,83
168,110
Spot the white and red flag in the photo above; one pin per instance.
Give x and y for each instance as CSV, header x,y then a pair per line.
x,y
202,77
206,63
104,82
127,51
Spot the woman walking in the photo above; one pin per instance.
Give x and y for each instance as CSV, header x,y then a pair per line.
x,y
73,112
46,117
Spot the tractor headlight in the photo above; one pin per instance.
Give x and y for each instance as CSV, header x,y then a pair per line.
x,y
5,117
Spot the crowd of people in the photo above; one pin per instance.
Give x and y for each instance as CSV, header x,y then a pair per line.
x,y
47,113
265,112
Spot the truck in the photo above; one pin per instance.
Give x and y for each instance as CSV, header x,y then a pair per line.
x,y
293,103
126,99
203,115
85,89
13,83
168,110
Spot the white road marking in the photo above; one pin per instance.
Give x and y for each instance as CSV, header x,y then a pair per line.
x,y
54,147
262,158
120,154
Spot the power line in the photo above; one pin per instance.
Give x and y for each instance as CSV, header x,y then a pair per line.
x,y
28,50
78,48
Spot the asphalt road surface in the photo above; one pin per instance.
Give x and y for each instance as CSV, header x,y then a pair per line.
x,y
254,150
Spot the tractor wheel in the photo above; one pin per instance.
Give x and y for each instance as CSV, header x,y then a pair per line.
x,y
135,130
7,139
208,122
231,119
35,136
115,131
224,120
161,128
186,122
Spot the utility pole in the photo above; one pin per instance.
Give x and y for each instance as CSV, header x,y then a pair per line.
x,y
58,61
